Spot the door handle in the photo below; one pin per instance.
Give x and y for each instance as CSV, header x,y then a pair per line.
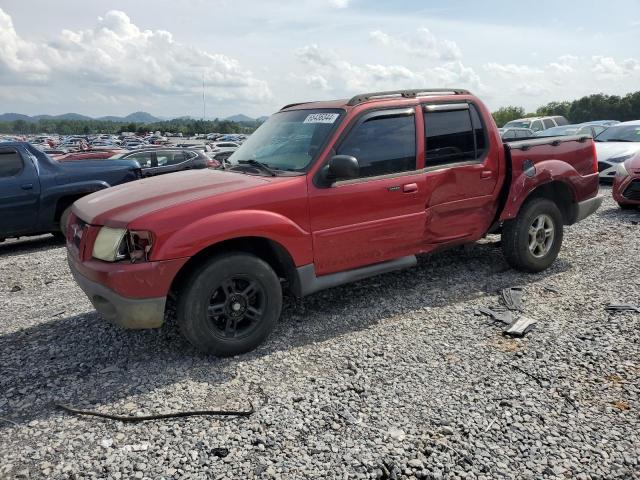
x,y
486,174
27,186
410,187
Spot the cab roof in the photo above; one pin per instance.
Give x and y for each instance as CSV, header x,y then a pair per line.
x,y
368,97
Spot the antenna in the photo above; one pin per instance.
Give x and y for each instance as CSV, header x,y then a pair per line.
x,y
204,101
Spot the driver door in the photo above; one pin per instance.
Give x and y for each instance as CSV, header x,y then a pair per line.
x,y
380,215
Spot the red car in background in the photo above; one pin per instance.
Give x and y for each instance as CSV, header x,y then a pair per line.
x,y
626,183
88,155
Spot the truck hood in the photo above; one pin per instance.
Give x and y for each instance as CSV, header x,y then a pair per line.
x,y
607,150
68,172
120,205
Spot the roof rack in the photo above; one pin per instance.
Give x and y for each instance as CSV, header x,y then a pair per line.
x,y
295,105
419,92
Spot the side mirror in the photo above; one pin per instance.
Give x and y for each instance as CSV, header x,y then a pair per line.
x,y
343,167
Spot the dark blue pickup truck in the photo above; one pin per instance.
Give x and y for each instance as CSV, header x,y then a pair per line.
x,y
36,192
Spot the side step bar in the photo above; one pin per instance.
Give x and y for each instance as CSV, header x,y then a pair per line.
x,y
310,283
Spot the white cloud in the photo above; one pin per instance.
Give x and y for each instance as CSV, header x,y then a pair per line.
x,y
351,78
17,55
116,57
423,43
609,68
510,70
339,3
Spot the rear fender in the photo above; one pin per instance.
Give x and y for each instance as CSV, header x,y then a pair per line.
x,y
526,177
217,228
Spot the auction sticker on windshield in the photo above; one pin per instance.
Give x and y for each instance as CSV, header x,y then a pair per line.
x,y
321,118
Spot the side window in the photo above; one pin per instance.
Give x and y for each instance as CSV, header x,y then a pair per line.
x,y
383,145
536,126
449,137
143,158
10,163
548,123
510,134
169,158
479,132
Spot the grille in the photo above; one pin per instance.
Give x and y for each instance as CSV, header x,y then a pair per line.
x,y
632,192
603,166
78,229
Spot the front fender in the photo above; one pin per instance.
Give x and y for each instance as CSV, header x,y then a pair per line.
x,y
546,171
189,240
52,193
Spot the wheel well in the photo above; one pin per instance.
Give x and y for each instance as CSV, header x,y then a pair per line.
x,y
559,193
63,203
268,250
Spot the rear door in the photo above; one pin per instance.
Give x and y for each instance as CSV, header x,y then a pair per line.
x,y
379,215
19,193
462,171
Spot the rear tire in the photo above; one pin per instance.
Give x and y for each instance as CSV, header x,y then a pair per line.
x,y
230,304
531,242
626,206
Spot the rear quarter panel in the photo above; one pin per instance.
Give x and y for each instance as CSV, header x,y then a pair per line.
x,y
538,162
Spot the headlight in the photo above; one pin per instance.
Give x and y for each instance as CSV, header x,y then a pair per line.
x,y
115,244
620,159
621,171
108,244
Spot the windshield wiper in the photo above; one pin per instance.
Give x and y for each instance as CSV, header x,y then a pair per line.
x,y
262,166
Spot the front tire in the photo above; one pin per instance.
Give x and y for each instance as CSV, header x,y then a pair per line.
x,y
230,304
531,242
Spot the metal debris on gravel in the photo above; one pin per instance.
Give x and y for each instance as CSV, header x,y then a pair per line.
x,y
385,378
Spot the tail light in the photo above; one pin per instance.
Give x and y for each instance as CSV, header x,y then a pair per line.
x,y
213,163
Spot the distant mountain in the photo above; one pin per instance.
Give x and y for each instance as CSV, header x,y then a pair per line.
x,y
240,118
64,116
12,117
136,117
262,119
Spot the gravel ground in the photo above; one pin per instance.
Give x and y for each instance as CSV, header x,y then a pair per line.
x,y
392,377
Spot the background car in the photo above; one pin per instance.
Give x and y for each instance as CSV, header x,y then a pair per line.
x,y
515,133
220,147
577,129
616,145
626,183
158,161
537,124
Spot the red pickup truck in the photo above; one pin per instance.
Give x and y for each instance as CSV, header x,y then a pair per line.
x,y
322,194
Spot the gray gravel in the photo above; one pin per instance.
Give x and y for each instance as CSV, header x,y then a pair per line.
x,y
393,377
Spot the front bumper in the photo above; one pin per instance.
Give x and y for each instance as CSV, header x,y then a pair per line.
x,y
587,207
620,186
135,313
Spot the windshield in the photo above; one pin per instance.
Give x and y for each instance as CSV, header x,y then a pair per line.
x,y
621,133
117,156
518,124
557,131
288,140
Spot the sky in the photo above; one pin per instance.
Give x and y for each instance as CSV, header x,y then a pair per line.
x,y
114,57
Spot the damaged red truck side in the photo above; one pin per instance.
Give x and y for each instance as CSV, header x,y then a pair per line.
x,y
323,194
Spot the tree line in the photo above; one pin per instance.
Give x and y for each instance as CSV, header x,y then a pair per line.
x,y
185,126
592,107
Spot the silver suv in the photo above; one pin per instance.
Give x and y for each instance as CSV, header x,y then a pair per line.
x,y
537,124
